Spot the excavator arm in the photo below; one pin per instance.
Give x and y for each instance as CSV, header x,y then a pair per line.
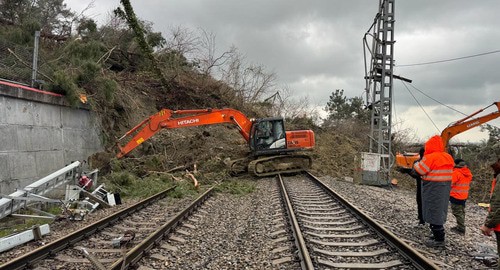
x,y
468,123
405,161
183,118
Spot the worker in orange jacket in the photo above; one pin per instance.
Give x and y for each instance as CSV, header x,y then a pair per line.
x,y
460,185
492,222
436,169
418,180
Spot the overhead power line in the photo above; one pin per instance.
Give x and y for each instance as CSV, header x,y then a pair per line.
x,y
420,105
449,60
437,101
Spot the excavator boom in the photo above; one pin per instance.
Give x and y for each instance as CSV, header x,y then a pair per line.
x,y
183,118
405,161
468,122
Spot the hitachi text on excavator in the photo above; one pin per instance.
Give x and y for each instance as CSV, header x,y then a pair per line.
x,y
273,150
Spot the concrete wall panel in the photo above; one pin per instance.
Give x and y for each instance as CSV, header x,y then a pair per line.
x,y
4,167
40,135
50,116
3,120
46,138
22,165
56,139
19,112
8,138
77,119
25,135
9,186
73,139
47,160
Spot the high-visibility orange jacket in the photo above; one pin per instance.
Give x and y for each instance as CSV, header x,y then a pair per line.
x,y
436,169
436,165
460,183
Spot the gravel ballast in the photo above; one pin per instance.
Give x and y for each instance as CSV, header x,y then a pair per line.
x,y
239,231
396,209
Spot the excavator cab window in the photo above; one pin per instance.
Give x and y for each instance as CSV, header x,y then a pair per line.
x,y
268,134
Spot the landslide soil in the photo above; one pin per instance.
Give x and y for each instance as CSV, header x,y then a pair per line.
x,y
204,149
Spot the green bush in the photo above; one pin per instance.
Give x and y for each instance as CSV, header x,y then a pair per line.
x,y
236,187
79,52
183,189
89,71
64,84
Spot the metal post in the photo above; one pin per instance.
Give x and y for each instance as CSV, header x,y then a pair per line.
x,y
35,59
379,86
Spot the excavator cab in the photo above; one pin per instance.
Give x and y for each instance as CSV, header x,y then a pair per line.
x,y
268,136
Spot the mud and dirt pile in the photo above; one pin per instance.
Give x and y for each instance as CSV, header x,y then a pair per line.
x,y
205,149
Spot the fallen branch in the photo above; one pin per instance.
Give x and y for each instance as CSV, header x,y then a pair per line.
x,y
156,172
176,179
195,182
107,55
176,169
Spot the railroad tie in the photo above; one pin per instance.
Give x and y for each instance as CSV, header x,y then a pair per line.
x,y
383,265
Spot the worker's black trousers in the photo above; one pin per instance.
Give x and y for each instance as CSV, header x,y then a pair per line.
x,y
419,200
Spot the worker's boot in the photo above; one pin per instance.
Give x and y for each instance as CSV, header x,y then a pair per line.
x,y
437,239
458,230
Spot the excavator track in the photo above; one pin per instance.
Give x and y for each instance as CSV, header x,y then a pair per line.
x,y
238,166
273,165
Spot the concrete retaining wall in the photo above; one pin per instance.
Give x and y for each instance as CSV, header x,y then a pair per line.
x,y
39,134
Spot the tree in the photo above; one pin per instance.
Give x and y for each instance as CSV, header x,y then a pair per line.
x,y
208,59
251,82
340,108
51,17
129,14
494,133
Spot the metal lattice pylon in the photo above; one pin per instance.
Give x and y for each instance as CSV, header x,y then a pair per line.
x,y
379,80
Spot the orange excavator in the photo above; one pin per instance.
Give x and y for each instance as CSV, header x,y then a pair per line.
x,y
404,161
273,150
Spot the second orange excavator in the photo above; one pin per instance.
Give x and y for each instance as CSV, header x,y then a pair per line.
x,y
404,161
273,150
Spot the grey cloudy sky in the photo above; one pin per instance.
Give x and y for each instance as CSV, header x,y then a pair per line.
x,y
316,47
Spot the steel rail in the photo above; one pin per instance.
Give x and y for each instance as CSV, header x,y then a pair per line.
x,y
136,253
305,258
30,259
417,259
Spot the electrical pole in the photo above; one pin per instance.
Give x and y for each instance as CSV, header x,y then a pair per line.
x,y
34,69
379,80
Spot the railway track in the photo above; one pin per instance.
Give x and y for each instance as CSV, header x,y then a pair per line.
x,y
292,223
115,242
330,233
